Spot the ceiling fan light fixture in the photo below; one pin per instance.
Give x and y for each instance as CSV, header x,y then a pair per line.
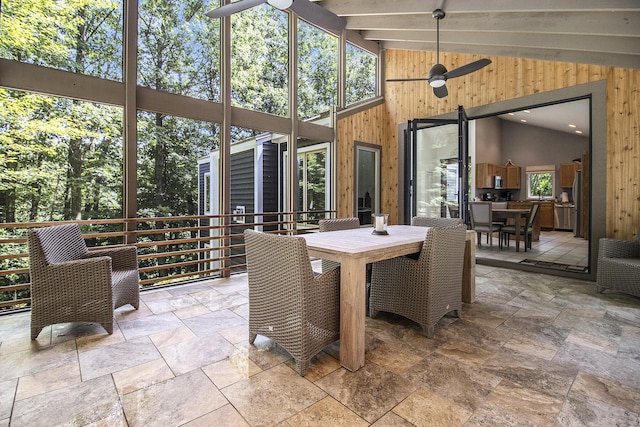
x,y
281,4
437,82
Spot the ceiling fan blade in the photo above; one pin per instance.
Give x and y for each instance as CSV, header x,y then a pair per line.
x,y
407,80
235,7
468,68
441,91
318,15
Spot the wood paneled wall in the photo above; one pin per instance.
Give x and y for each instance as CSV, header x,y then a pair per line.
x,y
504,79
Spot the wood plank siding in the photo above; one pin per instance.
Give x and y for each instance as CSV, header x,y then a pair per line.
x,y
505,79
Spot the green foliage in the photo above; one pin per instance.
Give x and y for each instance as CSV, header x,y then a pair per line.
x,y
541,184
361,75
317,71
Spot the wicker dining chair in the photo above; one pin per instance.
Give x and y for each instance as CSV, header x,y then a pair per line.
x,y
423,289
619,265
69,283
425,221
287,302
336,224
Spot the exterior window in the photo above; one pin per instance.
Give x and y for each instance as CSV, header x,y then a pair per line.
x,y
179,48
60,159
317,71
207,194
540,182
80,37
361,75
168,151
259,56
367,181
312,182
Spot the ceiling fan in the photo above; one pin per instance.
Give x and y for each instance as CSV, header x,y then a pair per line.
x,y
305,9
438,74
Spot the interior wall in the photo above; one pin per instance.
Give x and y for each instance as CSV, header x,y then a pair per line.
x,y
533,146
504,79
489,140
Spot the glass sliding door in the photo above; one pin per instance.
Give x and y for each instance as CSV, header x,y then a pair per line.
x,y
367,181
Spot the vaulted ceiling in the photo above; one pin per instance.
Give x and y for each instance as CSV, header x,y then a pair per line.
x,y
603,32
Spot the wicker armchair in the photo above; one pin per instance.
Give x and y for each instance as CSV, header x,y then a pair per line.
x,y
334,225
287,303
425,221
619,265
71,284
426,289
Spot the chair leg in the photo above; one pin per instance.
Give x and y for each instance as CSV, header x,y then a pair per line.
x,y
252,338
302,366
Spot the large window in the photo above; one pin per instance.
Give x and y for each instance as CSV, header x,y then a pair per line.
x,y
179,52
317,71
168,151
361,75
259,60
60,159
78,36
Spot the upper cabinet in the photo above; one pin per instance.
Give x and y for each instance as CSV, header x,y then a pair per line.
x,y
512,177
485,173
568,172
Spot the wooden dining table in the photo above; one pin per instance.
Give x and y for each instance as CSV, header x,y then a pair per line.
x,y
520,217
354,249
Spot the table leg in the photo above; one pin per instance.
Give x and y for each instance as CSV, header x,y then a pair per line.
x,y
353,282
518,233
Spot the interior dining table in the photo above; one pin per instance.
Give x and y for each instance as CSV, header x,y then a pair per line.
x,y
520,217
354,249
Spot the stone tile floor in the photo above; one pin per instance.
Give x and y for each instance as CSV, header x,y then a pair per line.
x,y
534,350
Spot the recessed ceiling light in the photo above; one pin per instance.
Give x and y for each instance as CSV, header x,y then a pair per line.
x,y
572,126
578,131
523,120
512,114
526,111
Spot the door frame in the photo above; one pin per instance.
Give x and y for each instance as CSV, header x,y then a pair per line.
x,y
597,93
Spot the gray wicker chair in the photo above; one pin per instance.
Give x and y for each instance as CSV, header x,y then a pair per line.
x,y
69,283
426,289
336,224
287,303
425,221
619,265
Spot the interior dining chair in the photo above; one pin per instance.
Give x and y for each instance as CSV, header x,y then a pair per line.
x,y
526,230
423,289
482,221
298,310
69,283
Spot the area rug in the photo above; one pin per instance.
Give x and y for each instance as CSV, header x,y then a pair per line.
x,y
555,265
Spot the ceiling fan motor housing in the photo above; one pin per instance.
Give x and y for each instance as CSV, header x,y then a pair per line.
x,y
437,76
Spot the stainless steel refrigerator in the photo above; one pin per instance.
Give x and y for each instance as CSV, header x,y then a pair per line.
x,y
577,202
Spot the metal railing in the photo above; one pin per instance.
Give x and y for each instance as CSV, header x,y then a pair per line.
x,y
171,250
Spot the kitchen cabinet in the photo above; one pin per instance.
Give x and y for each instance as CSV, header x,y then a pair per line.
x,y
546,215
485,173
567,173
512,177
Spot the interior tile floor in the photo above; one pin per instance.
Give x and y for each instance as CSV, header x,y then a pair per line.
x,y
554,246
533,350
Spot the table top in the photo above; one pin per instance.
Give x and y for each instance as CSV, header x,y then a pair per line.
x,y
361,242
513,211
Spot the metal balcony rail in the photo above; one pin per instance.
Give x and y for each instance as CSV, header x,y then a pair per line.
x,y
171,250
